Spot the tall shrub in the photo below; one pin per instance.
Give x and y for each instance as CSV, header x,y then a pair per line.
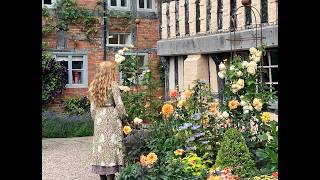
x,y
235,154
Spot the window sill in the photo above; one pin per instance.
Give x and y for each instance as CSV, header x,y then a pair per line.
x,y
146,10
119,8
76,86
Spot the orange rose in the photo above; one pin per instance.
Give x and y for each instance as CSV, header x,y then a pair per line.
x,y
127,130
205,121
233,104
213,107
211,177
147,105
151,158
192,162
187,93
167,109
179,152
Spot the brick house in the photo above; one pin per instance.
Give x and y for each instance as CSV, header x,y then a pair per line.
x,y
194,39
81,56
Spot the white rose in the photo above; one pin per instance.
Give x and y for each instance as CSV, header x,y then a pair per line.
x,y
258,53
241,97
225,114
243,103
239,73
222,74
137,120
258,108
222,67
130,46
120,52
256,59
253,50
250,108
119,58
246,111
269,136
240,82
244,64
251,67
232,67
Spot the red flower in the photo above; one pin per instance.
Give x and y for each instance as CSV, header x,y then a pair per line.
x,y
275,174
173,93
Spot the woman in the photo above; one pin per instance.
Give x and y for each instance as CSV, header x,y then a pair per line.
x,y
107,110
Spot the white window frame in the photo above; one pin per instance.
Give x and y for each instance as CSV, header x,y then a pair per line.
x,y
119,7
270,82
145,62
85,67
53,2
153,8
119,45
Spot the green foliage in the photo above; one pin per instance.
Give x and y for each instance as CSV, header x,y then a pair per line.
x,y
57,125
235,154
197,165
132,171
48,27
54,78
270,152
161,72
68,12
77,105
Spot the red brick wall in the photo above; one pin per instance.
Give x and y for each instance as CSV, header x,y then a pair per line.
x,y
147,33
147,36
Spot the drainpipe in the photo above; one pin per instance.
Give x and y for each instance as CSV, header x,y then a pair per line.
x,y
104,31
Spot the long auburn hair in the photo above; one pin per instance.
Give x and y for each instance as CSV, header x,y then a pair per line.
x,y
101,85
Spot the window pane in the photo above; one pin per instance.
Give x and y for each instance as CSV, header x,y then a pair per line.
x,y
275,74
122,39
274,57
113,39
123,3
141,3
265,60
149,4
265,75
49,2
113,2
77,64
77,77
140,61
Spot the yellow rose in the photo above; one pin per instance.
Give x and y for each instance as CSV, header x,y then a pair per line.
x,y
257,104
151,158
251,67
266,117
233,104
235,88
127,130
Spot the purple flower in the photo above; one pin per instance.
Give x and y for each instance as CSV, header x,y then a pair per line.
x,y
184,126
194,127
191,139
190,148
199,134
197,116
205,142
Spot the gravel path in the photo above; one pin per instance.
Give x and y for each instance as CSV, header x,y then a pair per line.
x,y
67,159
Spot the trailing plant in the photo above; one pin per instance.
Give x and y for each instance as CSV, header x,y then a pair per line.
x,y
234,154
54,78
77,105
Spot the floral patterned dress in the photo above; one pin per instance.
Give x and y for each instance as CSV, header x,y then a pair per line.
x,y
107,147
